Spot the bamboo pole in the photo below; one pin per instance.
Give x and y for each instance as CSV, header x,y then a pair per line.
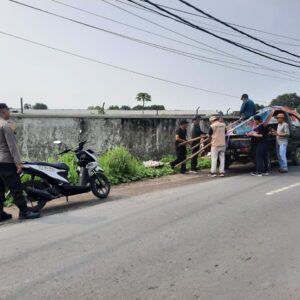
x,y
192,140
197,145
196,153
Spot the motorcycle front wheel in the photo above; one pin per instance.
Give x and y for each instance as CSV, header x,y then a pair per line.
x,y
100,185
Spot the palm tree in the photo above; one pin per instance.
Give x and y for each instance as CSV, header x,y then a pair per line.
x,y
144,97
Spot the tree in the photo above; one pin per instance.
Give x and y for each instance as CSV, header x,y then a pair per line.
x,y
40,106
100,109
259,107
27,106
290,100
137,107
114,107
157,107
144,97
125,107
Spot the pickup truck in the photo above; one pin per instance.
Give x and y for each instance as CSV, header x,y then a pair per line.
x,y
240,146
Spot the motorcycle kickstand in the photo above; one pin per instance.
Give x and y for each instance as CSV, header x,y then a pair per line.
x,y
67,199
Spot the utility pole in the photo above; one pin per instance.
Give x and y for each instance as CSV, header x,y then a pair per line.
x,y
22,108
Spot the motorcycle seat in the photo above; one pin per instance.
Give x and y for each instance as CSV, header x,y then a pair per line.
x,y
61,166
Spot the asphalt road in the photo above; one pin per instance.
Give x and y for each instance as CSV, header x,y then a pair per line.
x,y
232,238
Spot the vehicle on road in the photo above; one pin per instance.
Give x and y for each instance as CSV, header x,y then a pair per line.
x,y
49,181
240,147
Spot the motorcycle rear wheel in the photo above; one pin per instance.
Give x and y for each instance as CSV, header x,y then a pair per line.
x,y
100,185
33,202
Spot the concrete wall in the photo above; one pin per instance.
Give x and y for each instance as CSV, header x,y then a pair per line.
x,y
151,136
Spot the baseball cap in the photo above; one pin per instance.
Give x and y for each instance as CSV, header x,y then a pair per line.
x,y
213,118
3,106
182,122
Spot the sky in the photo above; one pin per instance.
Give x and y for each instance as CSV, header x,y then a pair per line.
x,y
43,75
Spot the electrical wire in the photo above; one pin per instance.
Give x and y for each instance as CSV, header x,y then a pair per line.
x,y
255,66
219,52
238,30
119,67
237,25
172,50
217,28
181,20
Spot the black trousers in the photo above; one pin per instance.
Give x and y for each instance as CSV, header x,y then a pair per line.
x,y
194,160
261,158
181,156
10,179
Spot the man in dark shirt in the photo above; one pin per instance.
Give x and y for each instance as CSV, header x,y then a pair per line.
x,y
180,137
260,140
248,108
196,133
10,168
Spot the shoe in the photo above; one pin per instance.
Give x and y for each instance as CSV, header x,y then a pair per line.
x,y
283,171
193,172
256,174
222,175
28,215
5,216
266,174
213,175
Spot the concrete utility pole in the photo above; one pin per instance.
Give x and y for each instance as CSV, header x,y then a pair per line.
x,y
22,108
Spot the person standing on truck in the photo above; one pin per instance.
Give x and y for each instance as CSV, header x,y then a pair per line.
x,y
217,133
195,133
282,134
248,108
260,140
180,137
10,168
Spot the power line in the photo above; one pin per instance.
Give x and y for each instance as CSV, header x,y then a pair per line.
x,y
223,53
181,20
118,67
256,66
172,50
237,25
227,32
238,30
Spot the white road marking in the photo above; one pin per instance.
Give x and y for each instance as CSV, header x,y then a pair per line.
x,y
283,189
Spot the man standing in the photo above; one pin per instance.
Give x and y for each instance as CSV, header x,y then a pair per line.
x,y
217,133
180,137
260,135
282,134
10,168
248,108
196,133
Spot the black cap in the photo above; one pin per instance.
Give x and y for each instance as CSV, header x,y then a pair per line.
x,y
257,118
196,118
182,122
3,106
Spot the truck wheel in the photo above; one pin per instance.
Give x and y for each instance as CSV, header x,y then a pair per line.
x,y
296,159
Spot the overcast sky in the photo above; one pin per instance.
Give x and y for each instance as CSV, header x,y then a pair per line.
x,y
61,81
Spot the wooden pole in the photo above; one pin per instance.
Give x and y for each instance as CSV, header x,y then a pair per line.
x,y
192,140
196,153
197,145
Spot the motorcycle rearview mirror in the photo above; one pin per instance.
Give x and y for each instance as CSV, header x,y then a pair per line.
x,y
57,142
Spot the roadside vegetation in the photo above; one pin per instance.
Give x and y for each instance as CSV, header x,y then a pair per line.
x,y
120,166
